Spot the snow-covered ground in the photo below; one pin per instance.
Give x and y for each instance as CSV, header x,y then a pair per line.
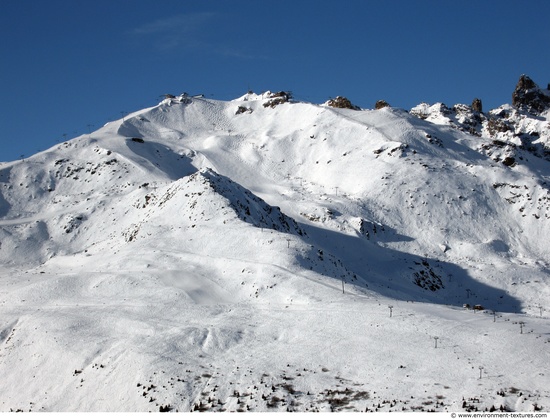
x,y
227,255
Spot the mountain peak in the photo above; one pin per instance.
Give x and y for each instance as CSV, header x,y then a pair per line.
x,y
203,254
529,96
247,206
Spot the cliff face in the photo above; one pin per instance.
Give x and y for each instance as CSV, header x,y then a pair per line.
x,y
529,96
516,131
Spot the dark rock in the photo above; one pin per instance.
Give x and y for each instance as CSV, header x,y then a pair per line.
x,y
477,105
278,98
342,102
243,109
497,125
528,96
381,104
166,408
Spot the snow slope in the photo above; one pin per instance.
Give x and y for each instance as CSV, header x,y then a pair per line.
x,y
263,254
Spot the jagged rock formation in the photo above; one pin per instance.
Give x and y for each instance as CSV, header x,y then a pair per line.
x,y
381,104
516,131
477,105
529,96
208,255
342,102
277,99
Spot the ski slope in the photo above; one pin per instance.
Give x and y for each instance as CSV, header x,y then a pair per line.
x,y
231,256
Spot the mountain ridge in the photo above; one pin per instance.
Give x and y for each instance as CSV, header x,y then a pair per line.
x,y
209,224
160,145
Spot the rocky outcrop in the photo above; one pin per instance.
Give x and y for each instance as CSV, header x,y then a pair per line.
x,y
342,102
516,131
277,98
477,105
529,96
381,104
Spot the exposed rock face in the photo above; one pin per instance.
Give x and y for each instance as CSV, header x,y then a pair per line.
x,y
381,104
342,102
516,131
496,125
477,105
277,98
530,97
425,110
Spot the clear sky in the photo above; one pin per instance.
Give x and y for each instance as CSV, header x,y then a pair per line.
x,y
70,66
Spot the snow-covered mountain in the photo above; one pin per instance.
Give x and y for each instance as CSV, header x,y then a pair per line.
x,y
270,255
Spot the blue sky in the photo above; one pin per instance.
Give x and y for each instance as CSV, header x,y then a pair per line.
x,y
70,66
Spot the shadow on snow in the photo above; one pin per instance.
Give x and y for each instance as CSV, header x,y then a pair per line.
x,y
404,276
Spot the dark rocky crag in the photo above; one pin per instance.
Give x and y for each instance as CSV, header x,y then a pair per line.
x,y
529,96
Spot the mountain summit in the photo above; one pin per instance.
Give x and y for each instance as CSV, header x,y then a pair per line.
x,y
529,96
269,254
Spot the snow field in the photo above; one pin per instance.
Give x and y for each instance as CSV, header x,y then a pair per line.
x,y
191,258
